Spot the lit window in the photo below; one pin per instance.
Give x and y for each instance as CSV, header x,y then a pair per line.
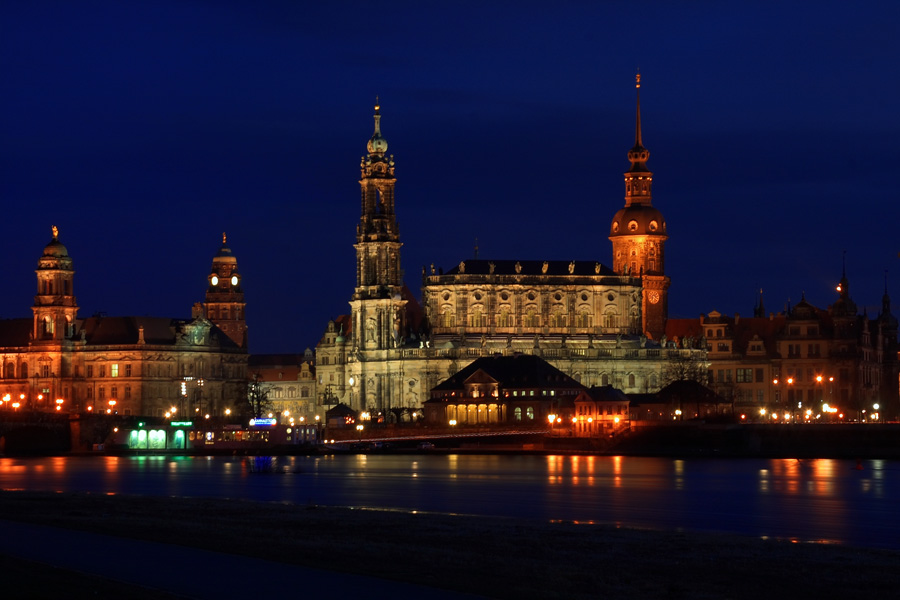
x,y
114,370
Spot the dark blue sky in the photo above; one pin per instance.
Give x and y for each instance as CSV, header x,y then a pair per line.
x,y
145,129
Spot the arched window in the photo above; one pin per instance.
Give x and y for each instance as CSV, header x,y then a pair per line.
x,y
47,326
504,319
477,318
447,318
529,413
518,413
531,317
609,319
604,379
631,380
584,318
557,317
23,371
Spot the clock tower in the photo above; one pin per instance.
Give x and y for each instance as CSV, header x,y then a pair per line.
x,y
638,235
224,304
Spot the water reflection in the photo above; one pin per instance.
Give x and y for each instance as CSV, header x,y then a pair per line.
x,y
804,500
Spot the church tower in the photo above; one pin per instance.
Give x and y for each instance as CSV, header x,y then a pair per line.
x,y
224,304
638,236
54,305
378,315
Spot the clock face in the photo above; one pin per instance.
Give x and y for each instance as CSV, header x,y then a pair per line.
x,y
653,296
234,280
214,280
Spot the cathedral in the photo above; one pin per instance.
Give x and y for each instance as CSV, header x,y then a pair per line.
x,y
145,366
600,325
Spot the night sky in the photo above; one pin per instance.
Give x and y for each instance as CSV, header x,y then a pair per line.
x,y
143,130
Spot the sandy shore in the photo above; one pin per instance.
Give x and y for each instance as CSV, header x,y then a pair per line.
x,y
498,558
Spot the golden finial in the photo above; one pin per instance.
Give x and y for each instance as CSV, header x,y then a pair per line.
x,y
223,238
55,231
377,103
637,82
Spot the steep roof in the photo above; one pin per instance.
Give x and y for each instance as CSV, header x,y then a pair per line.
x,y
15,332
161,331
275,360
606,393
521,371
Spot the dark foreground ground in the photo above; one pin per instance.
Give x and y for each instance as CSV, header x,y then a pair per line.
x,y
498,558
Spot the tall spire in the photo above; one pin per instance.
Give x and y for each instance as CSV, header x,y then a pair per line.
x,y
637,129
638,155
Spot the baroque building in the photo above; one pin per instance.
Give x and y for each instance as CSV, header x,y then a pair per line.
x,y
56,361
598,325
805,363
289,382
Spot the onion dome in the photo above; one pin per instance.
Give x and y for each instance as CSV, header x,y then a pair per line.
x,y
638,219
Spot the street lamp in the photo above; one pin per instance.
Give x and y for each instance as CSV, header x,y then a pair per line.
x,y
112,406
359,429
59,403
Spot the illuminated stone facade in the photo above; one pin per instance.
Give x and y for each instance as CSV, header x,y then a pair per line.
x,y
584,318
289,380
638,235
791,364
130,365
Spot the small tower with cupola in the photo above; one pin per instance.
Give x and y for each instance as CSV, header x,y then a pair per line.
x,y
225,304
54,304
638,235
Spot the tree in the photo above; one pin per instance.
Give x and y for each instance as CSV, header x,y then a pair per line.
x,y
684,368
255,402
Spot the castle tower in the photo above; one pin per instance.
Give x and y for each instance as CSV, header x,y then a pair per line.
x,y
225,304
638,236
54,305
378,315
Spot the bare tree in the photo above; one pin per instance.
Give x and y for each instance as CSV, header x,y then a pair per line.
x,y
684,368
256,401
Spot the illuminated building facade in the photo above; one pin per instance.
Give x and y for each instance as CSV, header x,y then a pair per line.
x,y
128,365
792,364
520,390
597,324
638,236
289,380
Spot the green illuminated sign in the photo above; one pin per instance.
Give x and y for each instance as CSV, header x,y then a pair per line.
x,y
182,423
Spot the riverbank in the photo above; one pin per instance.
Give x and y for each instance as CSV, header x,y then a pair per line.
x,y
496,558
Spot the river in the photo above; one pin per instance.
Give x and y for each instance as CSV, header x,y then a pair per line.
x,y
834,501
